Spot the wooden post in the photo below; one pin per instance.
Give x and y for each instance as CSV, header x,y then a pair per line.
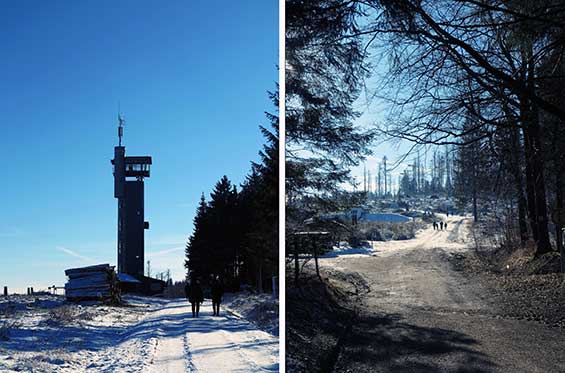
x,y
315,248
296,264
562,254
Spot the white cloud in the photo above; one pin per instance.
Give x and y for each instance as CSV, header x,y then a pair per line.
x,y
167,240
75,254
159,253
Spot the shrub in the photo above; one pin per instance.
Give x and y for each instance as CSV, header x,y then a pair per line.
x,y
63,315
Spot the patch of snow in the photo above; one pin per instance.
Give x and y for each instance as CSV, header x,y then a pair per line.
x,y
346,250
260,309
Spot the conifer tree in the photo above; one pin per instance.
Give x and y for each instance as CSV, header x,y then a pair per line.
x,y
196,258
324,76
236,233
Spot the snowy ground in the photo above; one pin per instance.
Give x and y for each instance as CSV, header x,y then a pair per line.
x,y
454,238
151,335
261,309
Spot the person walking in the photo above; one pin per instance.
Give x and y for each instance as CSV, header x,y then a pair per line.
x,y
217,292
195,296
441,225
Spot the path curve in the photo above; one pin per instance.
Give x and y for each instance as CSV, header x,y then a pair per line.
x,y
421,315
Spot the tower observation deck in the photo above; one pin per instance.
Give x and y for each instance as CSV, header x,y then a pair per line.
x,y
129,173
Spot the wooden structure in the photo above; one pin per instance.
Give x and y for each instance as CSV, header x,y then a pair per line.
x,y
140,284
98,282
307,242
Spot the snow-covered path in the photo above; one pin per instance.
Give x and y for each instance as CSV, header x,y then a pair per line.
x,y
208,343
150,335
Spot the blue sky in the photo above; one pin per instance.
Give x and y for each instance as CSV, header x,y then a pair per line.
x,y
191,79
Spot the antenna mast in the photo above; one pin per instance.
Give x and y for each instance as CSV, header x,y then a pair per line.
x,y
121,122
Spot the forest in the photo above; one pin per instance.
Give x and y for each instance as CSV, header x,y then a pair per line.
x,y
477,85
235,233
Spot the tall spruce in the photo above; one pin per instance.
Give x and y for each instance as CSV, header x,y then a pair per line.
x,y
325,71
197,260
259,208
236,233
224,227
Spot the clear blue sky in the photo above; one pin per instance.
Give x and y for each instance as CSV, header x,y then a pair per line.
x,y
191,78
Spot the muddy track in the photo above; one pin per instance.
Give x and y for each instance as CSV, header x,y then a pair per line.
x,y
422,315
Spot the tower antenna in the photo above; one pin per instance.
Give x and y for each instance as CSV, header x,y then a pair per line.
x,y
121,122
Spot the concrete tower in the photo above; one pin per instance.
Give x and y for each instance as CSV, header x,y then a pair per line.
x,y
131,223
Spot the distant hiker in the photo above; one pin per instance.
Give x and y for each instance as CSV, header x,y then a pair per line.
x,y
435,225
441,225
195,296
445,225
217,292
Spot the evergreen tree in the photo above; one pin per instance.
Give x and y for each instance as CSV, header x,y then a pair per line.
x,y
196,261
324,75
224,229
236,234
259,209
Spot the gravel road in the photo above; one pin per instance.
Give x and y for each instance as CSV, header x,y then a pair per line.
x,y
421,315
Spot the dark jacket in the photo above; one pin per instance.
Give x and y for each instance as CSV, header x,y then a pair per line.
x,y
194,293
217,290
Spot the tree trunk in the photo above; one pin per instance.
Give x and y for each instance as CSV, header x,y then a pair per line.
x,y
475,210
260,277
535,182
315,247
530,186
522,219
519,185
296,264
559,172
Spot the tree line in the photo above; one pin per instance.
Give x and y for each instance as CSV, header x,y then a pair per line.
x,y
235,232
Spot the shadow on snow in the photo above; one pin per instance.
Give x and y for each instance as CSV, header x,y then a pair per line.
x,y
95,338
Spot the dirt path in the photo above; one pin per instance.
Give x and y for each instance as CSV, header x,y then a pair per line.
x,y
422,316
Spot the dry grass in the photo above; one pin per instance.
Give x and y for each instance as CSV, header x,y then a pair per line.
x,y
8,321
43,362
8,311
6,326
63,315
69,314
